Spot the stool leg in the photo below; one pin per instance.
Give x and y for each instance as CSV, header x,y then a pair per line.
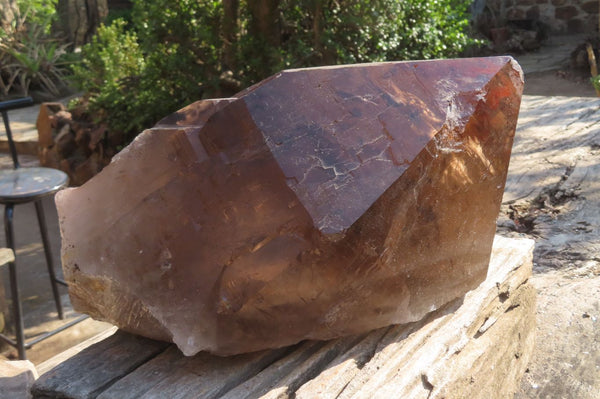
x,y
14,284
44,231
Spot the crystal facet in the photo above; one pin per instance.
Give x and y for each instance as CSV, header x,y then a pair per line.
x,y
318,203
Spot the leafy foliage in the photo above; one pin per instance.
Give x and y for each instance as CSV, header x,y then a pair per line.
x,y
181,43
29,56
179,51
109,72
40,13
596,83
355,31
132,78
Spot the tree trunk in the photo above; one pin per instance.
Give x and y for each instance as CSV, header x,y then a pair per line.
x,y
229,33
264,26
264,23
8,12
317,25
79,19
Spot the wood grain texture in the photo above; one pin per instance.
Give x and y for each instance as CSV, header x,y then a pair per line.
x,y
90,372
171,375
54,361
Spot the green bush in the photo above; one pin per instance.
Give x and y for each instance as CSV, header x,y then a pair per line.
x,y
181,42
40,13
30,58
134,77
109,72
356,31
596,83
400,30
179,51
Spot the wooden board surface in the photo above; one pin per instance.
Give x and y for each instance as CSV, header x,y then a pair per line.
x,y
426,359
91,371
54,361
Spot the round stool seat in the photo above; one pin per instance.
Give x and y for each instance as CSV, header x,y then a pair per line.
x,y
30,184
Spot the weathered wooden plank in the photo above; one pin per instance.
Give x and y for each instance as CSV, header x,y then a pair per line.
x,y
90,372
267,379
146,376
172,375
310,368
334,378
54,361
436,360
495,359
396,340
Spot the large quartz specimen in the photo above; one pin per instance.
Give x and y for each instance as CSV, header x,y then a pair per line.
x,y
318,203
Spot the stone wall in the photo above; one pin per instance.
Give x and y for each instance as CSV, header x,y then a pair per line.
x,y
561,16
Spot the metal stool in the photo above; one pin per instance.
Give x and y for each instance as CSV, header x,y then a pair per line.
x,y
20,186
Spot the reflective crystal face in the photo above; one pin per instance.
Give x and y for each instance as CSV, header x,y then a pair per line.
x,y
318,203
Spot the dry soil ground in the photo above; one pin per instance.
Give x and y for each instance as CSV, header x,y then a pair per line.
x,y
559,83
